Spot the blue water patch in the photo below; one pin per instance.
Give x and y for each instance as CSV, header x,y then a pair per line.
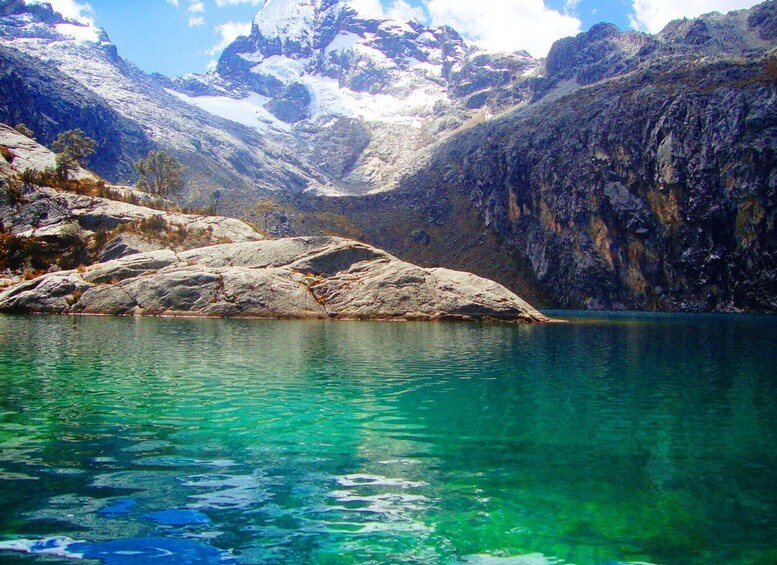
x,y
616,439
134,551
131,551
119,507
177,517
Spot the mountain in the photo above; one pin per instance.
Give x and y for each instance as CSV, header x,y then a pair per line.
x,y
315,99
364,99
57,74
626,170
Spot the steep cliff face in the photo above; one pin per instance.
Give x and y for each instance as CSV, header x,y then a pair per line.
x,y
654,189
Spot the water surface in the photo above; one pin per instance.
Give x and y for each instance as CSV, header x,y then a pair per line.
x,y
611,439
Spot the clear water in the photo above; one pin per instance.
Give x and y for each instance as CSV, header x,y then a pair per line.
x,y
617,439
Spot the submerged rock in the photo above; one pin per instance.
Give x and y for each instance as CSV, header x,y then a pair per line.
x,y
306,277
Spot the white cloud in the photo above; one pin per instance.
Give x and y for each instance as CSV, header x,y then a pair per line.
x,y
570,5
399,10
653,15
505,25
404,12
222,3
70,9
173,2
195,7
229,32
196,21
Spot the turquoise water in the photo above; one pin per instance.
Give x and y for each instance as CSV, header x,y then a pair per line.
x,y
606,440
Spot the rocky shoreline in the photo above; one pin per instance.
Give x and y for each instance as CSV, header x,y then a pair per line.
x,y
304,277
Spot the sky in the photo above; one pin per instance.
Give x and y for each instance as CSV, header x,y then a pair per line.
x,y
176,37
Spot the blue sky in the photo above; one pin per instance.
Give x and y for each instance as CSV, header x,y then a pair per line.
x,y
174,37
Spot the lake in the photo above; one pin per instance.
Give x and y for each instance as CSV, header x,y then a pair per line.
x,y
615,438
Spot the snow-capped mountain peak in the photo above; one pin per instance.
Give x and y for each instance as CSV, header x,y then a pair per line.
x,y
318,71
311,59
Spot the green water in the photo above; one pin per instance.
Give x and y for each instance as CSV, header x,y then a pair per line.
x,y
617,439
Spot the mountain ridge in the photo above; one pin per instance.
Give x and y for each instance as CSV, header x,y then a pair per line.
x,y
507,156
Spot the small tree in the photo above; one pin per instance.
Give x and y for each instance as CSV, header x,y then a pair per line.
x,y
160,173
24,130
72,147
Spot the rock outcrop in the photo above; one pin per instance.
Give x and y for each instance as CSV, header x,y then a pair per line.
x,y
288,278
46,212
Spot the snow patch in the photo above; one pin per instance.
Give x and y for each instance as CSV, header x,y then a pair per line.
x,y
79,32
425,68
426,38
249,111
328,99
343,41
281,67
256,57
395,28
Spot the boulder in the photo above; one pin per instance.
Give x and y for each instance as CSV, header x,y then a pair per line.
x,y
305,277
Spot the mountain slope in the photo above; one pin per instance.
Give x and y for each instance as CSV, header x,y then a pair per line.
x,y
220,154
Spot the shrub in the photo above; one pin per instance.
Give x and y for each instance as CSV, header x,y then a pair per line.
x,y
24,130
155,223
28,176
12,190
30,274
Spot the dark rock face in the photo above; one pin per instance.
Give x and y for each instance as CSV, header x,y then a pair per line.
x,y
291,105
763,19
656,191
602,52
493,78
